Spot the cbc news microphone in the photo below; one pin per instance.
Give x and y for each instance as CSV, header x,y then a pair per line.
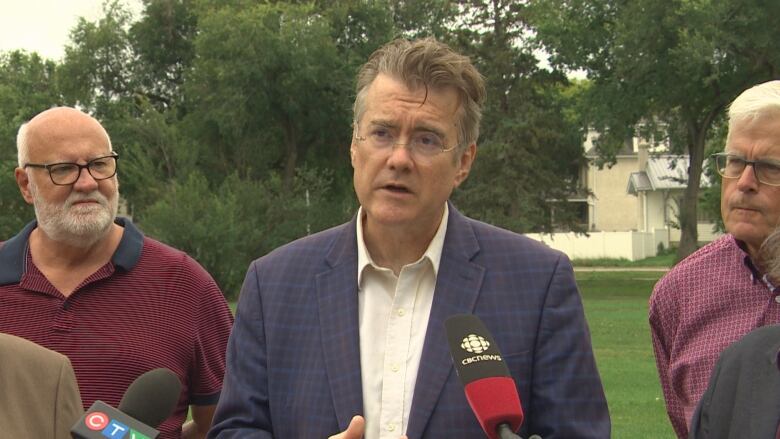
x,y
148,401
490,389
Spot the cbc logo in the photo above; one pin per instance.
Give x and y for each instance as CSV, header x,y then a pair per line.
x,y
475,344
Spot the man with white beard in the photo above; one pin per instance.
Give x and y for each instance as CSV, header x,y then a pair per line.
x,y
81,281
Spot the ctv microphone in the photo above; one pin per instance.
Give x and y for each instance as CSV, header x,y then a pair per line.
x,y
148,401
490,389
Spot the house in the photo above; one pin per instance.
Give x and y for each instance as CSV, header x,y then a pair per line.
x,y
630,207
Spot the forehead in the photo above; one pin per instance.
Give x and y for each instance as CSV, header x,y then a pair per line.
x,y
65,135
762,132
390,98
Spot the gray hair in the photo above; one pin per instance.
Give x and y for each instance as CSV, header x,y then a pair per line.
x,y
431,64
768,259
755,102
21,145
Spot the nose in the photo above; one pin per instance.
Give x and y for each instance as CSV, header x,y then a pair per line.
x,y
747,180
85,182
400,157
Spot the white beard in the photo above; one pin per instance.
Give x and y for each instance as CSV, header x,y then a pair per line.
x,y
78,225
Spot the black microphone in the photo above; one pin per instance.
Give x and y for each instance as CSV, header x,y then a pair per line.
x,y
149,400
489,387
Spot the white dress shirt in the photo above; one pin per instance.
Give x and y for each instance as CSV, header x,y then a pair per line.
x,y
393,313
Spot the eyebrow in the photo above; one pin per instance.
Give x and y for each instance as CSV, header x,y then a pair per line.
x,y
422,126
772,160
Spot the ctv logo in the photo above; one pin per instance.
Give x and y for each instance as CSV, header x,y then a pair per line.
x,y
111,428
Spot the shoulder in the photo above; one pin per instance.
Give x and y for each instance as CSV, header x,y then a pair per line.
x,y
25,352
495,241
704,262
721,247
313,249
160,256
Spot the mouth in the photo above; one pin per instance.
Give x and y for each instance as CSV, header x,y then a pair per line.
x,y
396,188
744,210
85,204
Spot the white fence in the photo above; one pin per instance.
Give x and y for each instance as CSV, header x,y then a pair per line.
x,y
629,245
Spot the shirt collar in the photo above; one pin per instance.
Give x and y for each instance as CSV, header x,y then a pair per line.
x,y
432,253
755,273
14,251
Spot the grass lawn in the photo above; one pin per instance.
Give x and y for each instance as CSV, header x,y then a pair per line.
x,y
616,309
665,259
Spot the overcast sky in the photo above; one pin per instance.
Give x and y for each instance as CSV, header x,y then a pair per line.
x,y
43,26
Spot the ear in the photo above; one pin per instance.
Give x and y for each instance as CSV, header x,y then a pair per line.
x,y
352,153
464,164
23,181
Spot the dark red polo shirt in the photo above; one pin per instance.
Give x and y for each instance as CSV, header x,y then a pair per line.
x,y
151,306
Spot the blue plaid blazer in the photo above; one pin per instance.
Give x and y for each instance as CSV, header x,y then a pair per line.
x,y
293,362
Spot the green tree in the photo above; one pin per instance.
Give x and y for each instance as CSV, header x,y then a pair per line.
x,y
97,70
530,149
163,40
663,69
269,89
226,227
28,85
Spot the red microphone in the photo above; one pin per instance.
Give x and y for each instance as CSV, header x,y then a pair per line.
x,y
490,389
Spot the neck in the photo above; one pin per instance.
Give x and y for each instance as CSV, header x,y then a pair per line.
x,y
47,252
394,247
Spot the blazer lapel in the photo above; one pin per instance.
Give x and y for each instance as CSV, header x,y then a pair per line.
x,y
340,334
457,289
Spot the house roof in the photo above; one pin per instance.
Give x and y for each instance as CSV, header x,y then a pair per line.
x,y
662,173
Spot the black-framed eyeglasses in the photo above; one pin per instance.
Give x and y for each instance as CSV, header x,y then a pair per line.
x,y
424,143
66,173
731,166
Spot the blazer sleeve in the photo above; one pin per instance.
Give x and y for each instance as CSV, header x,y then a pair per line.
x,y
68,408
243,409
567,397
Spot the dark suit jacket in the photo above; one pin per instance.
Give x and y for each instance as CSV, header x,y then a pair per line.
x,y
294,361
39,397
743,396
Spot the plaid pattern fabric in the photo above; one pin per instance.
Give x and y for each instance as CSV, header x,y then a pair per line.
x,y
294,364
707,302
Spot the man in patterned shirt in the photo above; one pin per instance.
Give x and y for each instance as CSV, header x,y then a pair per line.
x,y
719,293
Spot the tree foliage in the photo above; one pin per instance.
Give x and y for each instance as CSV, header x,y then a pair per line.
x,y
665,69
28,85
530,150
232,118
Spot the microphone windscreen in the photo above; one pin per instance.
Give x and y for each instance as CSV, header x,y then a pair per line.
x,y
152,397
474,352
489,387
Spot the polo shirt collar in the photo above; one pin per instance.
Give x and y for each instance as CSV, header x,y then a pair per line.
x,y
13,252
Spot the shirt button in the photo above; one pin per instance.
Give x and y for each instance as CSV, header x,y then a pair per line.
x,y
395,368
777,299
401,312
391,427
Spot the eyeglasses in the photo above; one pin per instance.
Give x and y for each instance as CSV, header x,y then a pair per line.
x,y
66,173
425,144
732,166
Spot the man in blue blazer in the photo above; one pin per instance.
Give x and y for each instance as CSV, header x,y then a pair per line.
x,y
341,334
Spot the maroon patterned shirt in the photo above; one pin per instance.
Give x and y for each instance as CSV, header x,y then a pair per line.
x,y
705,303
151,306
